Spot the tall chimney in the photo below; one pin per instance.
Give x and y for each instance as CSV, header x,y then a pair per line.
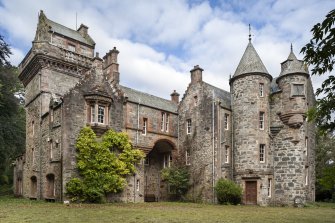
x,y
196,74
83,30
175,97
111,67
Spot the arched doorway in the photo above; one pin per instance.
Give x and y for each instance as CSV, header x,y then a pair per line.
x,y
33,187
159,157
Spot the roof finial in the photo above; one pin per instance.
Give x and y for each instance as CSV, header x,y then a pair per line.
x,y
291,47
249,33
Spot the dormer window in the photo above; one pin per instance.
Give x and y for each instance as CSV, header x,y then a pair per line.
x,y
97,113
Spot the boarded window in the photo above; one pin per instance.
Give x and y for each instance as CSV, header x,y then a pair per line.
x,y
298,90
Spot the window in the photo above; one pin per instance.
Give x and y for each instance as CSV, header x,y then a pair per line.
x,y
97,113
167,160
226,123
262,153
298,90
144,128
261,90
165,122
188,157
188,126
227,154
261,120
269,187
101,114
162,121
33,156
32,128
138,185
71,47
51,149
306,176
51,115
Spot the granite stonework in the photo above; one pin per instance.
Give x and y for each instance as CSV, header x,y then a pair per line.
x,y
255,135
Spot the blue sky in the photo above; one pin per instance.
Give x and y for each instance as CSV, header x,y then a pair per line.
x,y
161,41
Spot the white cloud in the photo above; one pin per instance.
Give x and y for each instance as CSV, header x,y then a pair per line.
x,y
160,41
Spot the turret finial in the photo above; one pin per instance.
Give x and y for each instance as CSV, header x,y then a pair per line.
x,y
291,48
249,33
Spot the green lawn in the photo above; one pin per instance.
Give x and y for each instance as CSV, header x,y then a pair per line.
x,y
21,210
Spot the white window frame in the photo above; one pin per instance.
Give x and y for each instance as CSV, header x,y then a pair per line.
x,y
227,154
138,185
269,187
188,157
145,126
98,113
167,160
226,121
163,121
261,89
101,113
262,149
188,126
261,120
167,120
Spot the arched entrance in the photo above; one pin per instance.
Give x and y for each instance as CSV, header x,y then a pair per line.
x,y
159,157
33,187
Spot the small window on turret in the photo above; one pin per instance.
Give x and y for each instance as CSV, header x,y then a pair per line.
x,y
261,90
298,90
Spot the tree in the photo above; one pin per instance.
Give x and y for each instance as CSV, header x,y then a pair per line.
x,y
103,165
4,52
177,178
325,166
320,52
12,115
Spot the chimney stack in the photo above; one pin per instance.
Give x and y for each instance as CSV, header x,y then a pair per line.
x,y
111,67
196,74
83,30
175,97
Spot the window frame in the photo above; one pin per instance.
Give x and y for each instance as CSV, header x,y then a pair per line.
x,y
261,90
188,126
295,93
227,155
187,157
226,121
261,120
145,126
262,150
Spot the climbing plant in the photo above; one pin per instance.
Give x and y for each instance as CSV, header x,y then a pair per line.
x,y
103,165
177,178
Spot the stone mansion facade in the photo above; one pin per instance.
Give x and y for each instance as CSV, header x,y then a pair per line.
x,y
256,134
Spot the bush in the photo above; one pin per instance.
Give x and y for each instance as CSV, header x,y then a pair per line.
x,y
228,192
177,178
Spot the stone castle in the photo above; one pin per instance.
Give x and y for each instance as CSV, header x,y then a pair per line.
x,y
256,134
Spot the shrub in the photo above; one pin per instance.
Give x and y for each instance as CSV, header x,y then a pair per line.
x,y
228,192
177,178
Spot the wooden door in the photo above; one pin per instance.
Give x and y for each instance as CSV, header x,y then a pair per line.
x,y
251,192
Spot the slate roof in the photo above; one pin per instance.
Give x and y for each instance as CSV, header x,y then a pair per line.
x,y
293,65
73,34
250,62
149,100
222,95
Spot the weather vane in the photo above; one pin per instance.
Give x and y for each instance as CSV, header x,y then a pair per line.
x,y
249,33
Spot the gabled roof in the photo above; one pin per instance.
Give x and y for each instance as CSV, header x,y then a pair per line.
x,y
222,95
65,31
250,62
149,100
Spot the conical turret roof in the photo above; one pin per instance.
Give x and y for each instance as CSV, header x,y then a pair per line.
x,y
293,65
250,62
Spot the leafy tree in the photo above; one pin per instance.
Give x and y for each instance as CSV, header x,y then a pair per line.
x,y
320,52
4,52
12,115
103,165
228,192
325,166
177,178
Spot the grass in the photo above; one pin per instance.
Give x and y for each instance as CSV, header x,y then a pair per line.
x,y
22,210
